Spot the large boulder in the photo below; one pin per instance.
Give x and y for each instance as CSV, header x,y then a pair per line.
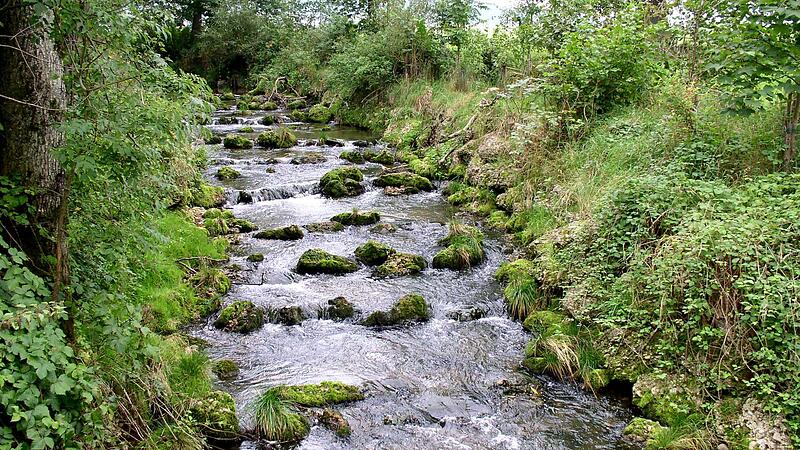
x,y
316,261
409,308
241,317
288,233
342,182
409,182
400,265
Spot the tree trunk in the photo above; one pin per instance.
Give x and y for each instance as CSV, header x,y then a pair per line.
x,y
791,117
32,104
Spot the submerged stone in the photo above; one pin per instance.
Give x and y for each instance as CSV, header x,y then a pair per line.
x,y
400,265
240,317
317,261
255,257
335,421
467,314
288,233
244,197
373,253
290,315
357,218
409,308
383,228
324,227
309,158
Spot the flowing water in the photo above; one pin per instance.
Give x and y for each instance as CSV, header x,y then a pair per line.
x,y
443,384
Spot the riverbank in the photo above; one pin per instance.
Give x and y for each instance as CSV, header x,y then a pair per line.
x,y
646,238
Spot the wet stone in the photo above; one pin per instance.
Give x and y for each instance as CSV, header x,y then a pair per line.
x,y
467,314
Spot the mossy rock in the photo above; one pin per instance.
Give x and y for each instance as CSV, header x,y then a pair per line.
x,y
247,129
666,399
467,314
281,137
227,120
207,196
217,213
215,416
299,116
400,265
235,141
497,220
409,182
373,253
323,394
213,140
409,308
241,317
597,378
216,227
227,173
225,369
228,96
357,218
353,157
296,104
384,157
288,233
383,228
335,421
316,261
320,113
464,248
339,308
324,227
535,364
309,158
267,120
209,282
244,226
268,106
641,430
255,257
342,182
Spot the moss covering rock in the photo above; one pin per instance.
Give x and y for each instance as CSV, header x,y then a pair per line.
x,y
384,157
309,158
338,308
296,104
319,113
373,253
400,265
215,416
281,137
236,141
267,120
383,228
409,182
268,106
207,196
247,129
316,261
289,315
642,431
213,140
342,182
288,233
353,157
241,317
324,227
408,309
357,218
255,257
322,394
225,369
277,419
227,173
464,248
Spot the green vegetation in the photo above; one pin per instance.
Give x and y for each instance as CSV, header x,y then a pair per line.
x,y
235,141
338,308
323,394
247,129
316,261
277,419
354,157
227,173
400,265
464,248
373,253
225,369
406,182
240,317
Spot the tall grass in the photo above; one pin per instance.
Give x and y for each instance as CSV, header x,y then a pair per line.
x,y
277,419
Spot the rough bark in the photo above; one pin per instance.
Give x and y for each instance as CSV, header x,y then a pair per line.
x,y
32,103
790,121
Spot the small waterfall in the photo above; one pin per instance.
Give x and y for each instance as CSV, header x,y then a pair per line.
x,y
271,193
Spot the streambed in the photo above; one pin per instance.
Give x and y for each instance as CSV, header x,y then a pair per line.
x,y
443,384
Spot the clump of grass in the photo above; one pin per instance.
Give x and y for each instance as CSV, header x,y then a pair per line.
x,y
277,419
523,297
686,432
189,375
464,248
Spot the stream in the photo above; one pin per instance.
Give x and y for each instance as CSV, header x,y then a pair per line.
x,y
443,384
